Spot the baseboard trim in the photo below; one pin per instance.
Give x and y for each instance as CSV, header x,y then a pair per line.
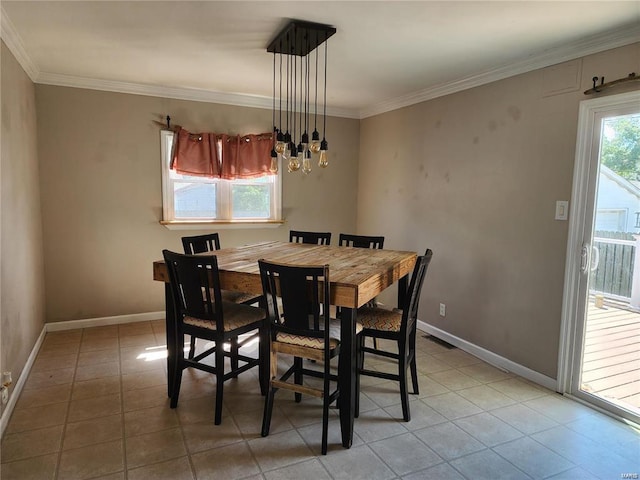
x,y
102,321
490,357
19,385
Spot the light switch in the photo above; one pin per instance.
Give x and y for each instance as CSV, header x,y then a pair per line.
x,y
562,209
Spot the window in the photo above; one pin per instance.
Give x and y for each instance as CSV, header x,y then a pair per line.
x,y
188,198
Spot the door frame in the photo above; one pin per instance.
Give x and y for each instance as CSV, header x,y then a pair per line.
x,y
582,205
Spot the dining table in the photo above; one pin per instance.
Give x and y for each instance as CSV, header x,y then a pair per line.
x,y
357,276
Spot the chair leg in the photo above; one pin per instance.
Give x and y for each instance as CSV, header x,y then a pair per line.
x,y
235,350
412,361
404,394
263,358
414,374
268,400
297,376
219,381
177,379
192,347
359,365
325,405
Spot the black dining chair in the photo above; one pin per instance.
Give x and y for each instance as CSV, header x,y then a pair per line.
x,y
399,326
294,296
201,312
360,241
210,242
316,238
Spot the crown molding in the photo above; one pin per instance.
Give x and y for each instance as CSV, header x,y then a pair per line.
x,y
13,41
179,93
581,48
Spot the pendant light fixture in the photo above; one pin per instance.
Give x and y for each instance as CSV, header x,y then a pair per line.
x,y
293,45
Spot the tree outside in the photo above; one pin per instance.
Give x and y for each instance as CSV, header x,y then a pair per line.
x,y
621,146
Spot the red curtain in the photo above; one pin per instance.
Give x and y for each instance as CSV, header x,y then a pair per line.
x,y
196,154
247,156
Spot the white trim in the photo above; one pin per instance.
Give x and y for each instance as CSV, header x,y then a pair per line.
x,y
102,321
489,357
206,225
19,385
14,42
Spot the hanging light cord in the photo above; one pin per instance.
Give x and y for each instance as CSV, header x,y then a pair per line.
x,y
324,126
315,121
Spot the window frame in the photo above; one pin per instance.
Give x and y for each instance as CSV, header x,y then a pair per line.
x,y
224,189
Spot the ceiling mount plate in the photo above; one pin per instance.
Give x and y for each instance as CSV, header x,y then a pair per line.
x,y
300,38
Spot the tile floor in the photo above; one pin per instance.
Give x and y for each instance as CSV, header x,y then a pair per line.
x,y
95,406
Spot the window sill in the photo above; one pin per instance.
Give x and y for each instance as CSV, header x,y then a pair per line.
x,y
221,225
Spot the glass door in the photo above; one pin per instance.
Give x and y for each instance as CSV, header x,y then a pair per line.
x,y
604,333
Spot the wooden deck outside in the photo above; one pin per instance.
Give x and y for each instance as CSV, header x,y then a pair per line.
x,y
611,363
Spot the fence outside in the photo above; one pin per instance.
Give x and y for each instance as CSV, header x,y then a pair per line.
x,y
613,264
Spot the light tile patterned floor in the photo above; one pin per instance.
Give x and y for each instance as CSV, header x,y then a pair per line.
x,y
95,406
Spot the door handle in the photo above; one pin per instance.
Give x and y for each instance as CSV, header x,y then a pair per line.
x,y
596,260
584,258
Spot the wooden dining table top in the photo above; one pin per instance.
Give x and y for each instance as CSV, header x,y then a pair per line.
x,y
357,274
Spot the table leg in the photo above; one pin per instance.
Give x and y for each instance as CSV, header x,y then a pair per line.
x,y
347,374
170,325
402,291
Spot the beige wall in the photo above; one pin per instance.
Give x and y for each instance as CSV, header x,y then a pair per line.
x,y
475,176
101,194
21,262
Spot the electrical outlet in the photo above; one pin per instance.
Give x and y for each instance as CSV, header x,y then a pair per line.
x,y
5,395
443,309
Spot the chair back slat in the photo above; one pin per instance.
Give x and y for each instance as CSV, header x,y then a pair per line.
x,y
304,293
360,241
195,285
315,238
201,243
412,299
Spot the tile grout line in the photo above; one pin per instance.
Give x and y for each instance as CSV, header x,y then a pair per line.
x,y
66,418
122,413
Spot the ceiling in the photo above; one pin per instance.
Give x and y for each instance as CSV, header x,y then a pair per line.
x,y
385,54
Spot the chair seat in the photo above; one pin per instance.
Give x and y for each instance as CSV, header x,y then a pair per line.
x,y
238,297
318,343
235,316
375,318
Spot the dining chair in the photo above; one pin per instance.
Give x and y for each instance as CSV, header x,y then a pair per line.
x,y
316,238
399,326
360,241
209,243
201,312
294,296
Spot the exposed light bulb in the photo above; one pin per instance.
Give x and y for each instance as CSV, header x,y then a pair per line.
x,y
274,162
306,163
314,146
323,161
294,164
279,148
